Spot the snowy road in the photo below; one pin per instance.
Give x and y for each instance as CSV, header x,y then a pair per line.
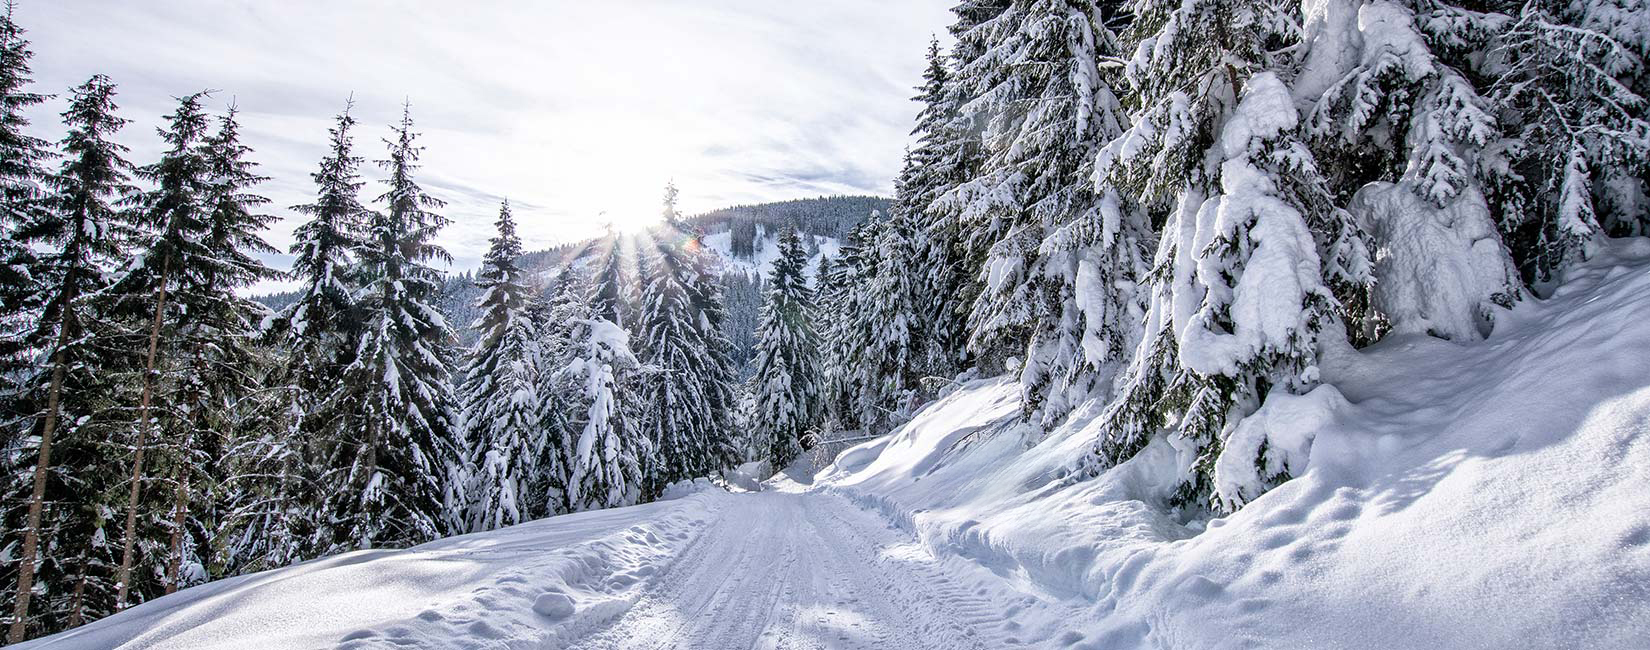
x,y
713,570
778,570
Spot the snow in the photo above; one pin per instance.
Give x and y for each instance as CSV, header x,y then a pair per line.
x,y
1267,303
1441,270
1485,494
767,252
1448,494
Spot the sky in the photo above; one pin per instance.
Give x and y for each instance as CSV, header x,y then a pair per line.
x,y
579,112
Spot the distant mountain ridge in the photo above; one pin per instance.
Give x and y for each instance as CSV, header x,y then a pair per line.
x,y
742,238
825,216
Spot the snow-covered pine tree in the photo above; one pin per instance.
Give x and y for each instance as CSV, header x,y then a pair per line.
x,y
1251,247
79,237
264,498
841,292
1404,137
787,349
173,218
948,153
1579,152
558,316
686,389
931,169
22,170
319,330
611,287
399,463
215,338
1058,279
500,391
888,337
829,299
597,378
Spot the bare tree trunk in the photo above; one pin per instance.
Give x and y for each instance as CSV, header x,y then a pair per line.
x,y
42,467
174,564
123,578
77,603
31,534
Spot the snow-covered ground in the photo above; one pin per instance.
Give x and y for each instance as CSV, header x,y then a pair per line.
x,y
1479,495
1482,495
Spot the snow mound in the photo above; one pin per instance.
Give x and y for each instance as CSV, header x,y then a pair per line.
x,y
536,585
1449,494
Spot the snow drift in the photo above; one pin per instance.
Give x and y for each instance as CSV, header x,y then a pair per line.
x,y
1449,495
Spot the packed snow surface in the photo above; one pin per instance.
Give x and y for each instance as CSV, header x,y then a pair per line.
x,y
1486,494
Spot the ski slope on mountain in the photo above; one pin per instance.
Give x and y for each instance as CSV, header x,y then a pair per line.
x,y
766,251
1481,495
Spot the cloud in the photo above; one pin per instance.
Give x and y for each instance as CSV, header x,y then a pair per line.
x,y
571,109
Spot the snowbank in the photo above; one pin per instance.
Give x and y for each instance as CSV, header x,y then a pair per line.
x,y
535,585
1449,495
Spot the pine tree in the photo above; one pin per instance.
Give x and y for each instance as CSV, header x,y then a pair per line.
x,y
1064,254
1250,231
949,152
687,385
218,331
596,376
173,217
320,331
80,234
1564,83
500,390
22,170
1406,115
394,492
266,512
787,348
887,337
842,327
558,317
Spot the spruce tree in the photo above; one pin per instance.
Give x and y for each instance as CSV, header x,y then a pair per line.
x,y
394,489
320,330
558,317
80,236
887,336
687,385
1064,254
217,331
1406,115
1565,76
944,157
173,218
949,153
787,364
596,382
22,172
500,390
842,328
1251,246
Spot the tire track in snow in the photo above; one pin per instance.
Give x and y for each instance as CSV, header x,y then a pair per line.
x,y
783,571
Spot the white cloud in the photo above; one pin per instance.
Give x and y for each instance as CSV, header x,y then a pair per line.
x,y
571,109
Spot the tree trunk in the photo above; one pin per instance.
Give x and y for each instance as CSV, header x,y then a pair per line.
x,y
180,502
123,577
31,534
42,468
77,603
